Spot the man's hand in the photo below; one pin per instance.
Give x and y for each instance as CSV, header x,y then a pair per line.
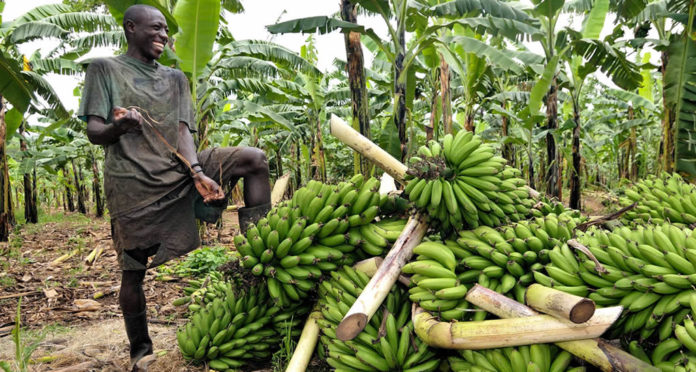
x,y
209,189
125,120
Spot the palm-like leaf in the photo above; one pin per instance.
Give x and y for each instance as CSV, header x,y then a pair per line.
x,y
483,50
56,65
36,30
462,8
613,62
680,96
101,39
268,51
43,89
41,12
13,86
318,24
243,66
83,22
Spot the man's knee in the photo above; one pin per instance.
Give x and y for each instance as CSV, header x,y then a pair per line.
x,y
256,160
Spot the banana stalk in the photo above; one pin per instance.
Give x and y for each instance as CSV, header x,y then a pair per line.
x,y
497,333
306,344
559,304
279,189
595,351
346,134
384,278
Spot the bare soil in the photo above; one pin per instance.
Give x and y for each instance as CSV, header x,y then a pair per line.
x,y
72,309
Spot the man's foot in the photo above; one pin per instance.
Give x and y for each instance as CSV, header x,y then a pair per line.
x,y
141,365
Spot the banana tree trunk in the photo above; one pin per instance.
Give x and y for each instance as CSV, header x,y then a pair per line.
x,y
356,79
78,189
400,92
508,152
575,170
68,190
434,122
30,212
559,304
668,118
96,187
5,201
552,158
595,351
446,96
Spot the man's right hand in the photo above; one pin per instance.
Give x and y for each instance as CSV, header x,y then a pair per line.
x,y
125,120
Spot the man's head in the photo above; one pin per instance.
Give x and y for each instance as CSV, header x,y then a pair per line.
x,y
146,32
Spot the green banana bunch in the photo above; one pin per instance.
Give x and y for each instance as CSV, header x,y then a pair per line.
x,y
199,292
537,357
233,329
306,236
546,205
659,199
463,185
375,239
650,270
667,354
386,344
505,260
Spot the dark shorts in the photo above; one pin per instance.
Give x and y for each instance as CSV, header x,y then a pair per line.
x,y
168,226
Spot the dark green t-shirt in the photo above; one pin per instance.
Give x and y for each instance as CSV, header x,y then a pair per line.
x,y
139,169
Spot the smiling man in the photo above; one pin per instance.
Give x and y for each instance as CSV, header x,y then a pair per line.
x,y
141,112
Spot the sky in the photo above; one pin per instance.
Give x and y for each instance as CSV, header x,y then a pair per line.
x,y
248,25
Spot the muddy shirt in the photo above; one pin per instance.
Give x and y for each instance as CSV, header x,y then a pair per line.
x,y
139,169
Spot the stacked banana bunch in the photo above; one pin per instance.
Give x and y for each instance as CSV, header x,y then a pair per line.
x,y
505,260
664,198
202,291
546,205
231,330
302,238
537,357
651,271
396,349
375,239
463,185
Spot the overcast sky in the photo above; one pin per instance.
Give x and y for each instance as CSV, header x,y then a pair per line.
x,y
248,25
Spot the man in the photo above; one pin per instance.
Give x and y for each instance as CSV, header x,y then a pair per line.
x,y
141,112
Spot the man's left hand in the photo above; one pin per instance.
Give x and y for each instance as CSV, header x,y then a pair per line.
x,y
209,189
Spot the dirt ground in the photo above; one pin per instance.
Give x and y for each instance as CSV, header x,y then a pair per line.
x,y
58,299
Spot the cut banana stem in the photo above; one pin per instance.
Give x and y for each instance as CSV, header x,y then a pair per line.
x,y
306,344
595,351
279,188
562,305
497,333
384,278
346,134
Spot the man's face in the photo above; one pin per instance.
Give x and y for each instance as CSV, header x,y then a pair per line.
x,y
149,34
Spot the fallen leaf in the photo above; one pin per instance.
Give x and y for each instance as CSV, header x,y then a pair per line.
x,y
27,278
50,293
86,305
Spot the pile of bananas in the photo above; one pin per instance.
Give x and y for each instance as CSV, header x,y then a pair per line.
x,y
303,237
537,357
374,239
231,330
546,205
651,271
397,349
664,198
463,185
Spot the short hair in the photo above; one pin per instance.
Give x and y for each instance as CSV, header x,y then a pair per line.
x,y
134,12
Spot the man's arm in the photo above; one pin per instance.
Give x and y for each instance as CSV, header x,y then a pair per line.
x,y
208,188
100,133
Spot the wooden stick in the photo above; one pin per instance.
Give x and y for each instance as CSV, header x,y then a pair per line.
x,y
279,189
377,289
598,266
306,344
559,304
596,351
22,294
497,333
607,218
346,134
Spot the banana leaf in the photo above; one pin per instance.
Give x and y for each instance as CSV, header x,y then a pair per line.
x,y
680,96
198,23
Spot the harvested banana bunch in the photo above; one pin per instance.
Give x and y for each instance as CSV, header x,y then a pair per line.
x,y
232,330
537,357
660,199
301,238
199,292
386,344
463,184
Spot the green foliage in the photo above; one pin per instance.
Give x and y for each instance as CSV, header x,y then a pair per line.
x,y
201,261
